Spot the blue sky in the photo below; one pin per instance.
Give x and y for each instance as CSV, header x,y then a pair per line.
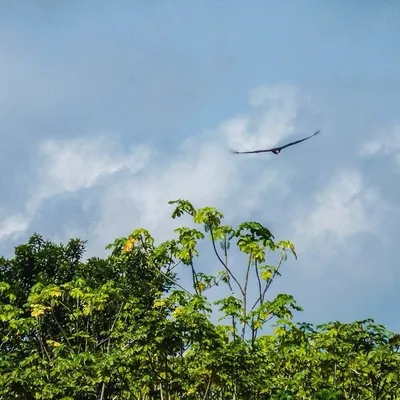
x,y
109,110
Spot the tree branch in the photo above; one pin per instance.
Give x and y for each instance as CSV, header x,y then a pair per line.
x,y
222,262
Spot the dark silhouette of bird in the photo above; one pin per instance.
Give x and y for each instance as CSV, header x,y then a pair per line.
x,y
276,150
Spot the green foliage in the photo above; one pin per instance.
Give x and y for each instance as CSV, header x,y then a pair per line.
x,y
124,328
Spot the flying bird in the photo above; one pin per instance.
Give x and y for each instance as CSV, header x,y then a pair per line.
x,y
276,150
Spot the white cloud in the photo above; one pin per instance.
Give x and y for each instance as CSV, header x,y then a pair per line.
x,y
272,118
370,148
202,171
71,166
13,225
343,208
81,163
385,142
342,234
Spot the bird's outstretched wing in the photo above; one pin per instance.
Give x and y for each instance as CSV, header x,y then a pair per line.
x,y
301,140
249,152
276,150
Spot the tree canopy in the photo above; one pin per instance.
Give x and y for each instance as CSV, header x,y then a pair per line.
x,y
126,327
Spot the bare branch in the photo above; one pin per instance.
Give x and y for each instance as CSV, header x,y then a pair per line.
x,y
244,305
222,262
267,285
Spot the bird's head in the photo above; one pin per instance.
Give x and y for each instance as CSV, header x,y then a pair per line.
x,y
276,151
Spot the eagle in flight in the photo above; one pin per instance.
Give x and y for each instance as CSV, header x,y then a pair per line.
x,y
276,150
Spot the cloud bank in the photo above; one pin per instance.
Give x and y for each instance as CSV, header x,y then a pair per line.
x,y
114,189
